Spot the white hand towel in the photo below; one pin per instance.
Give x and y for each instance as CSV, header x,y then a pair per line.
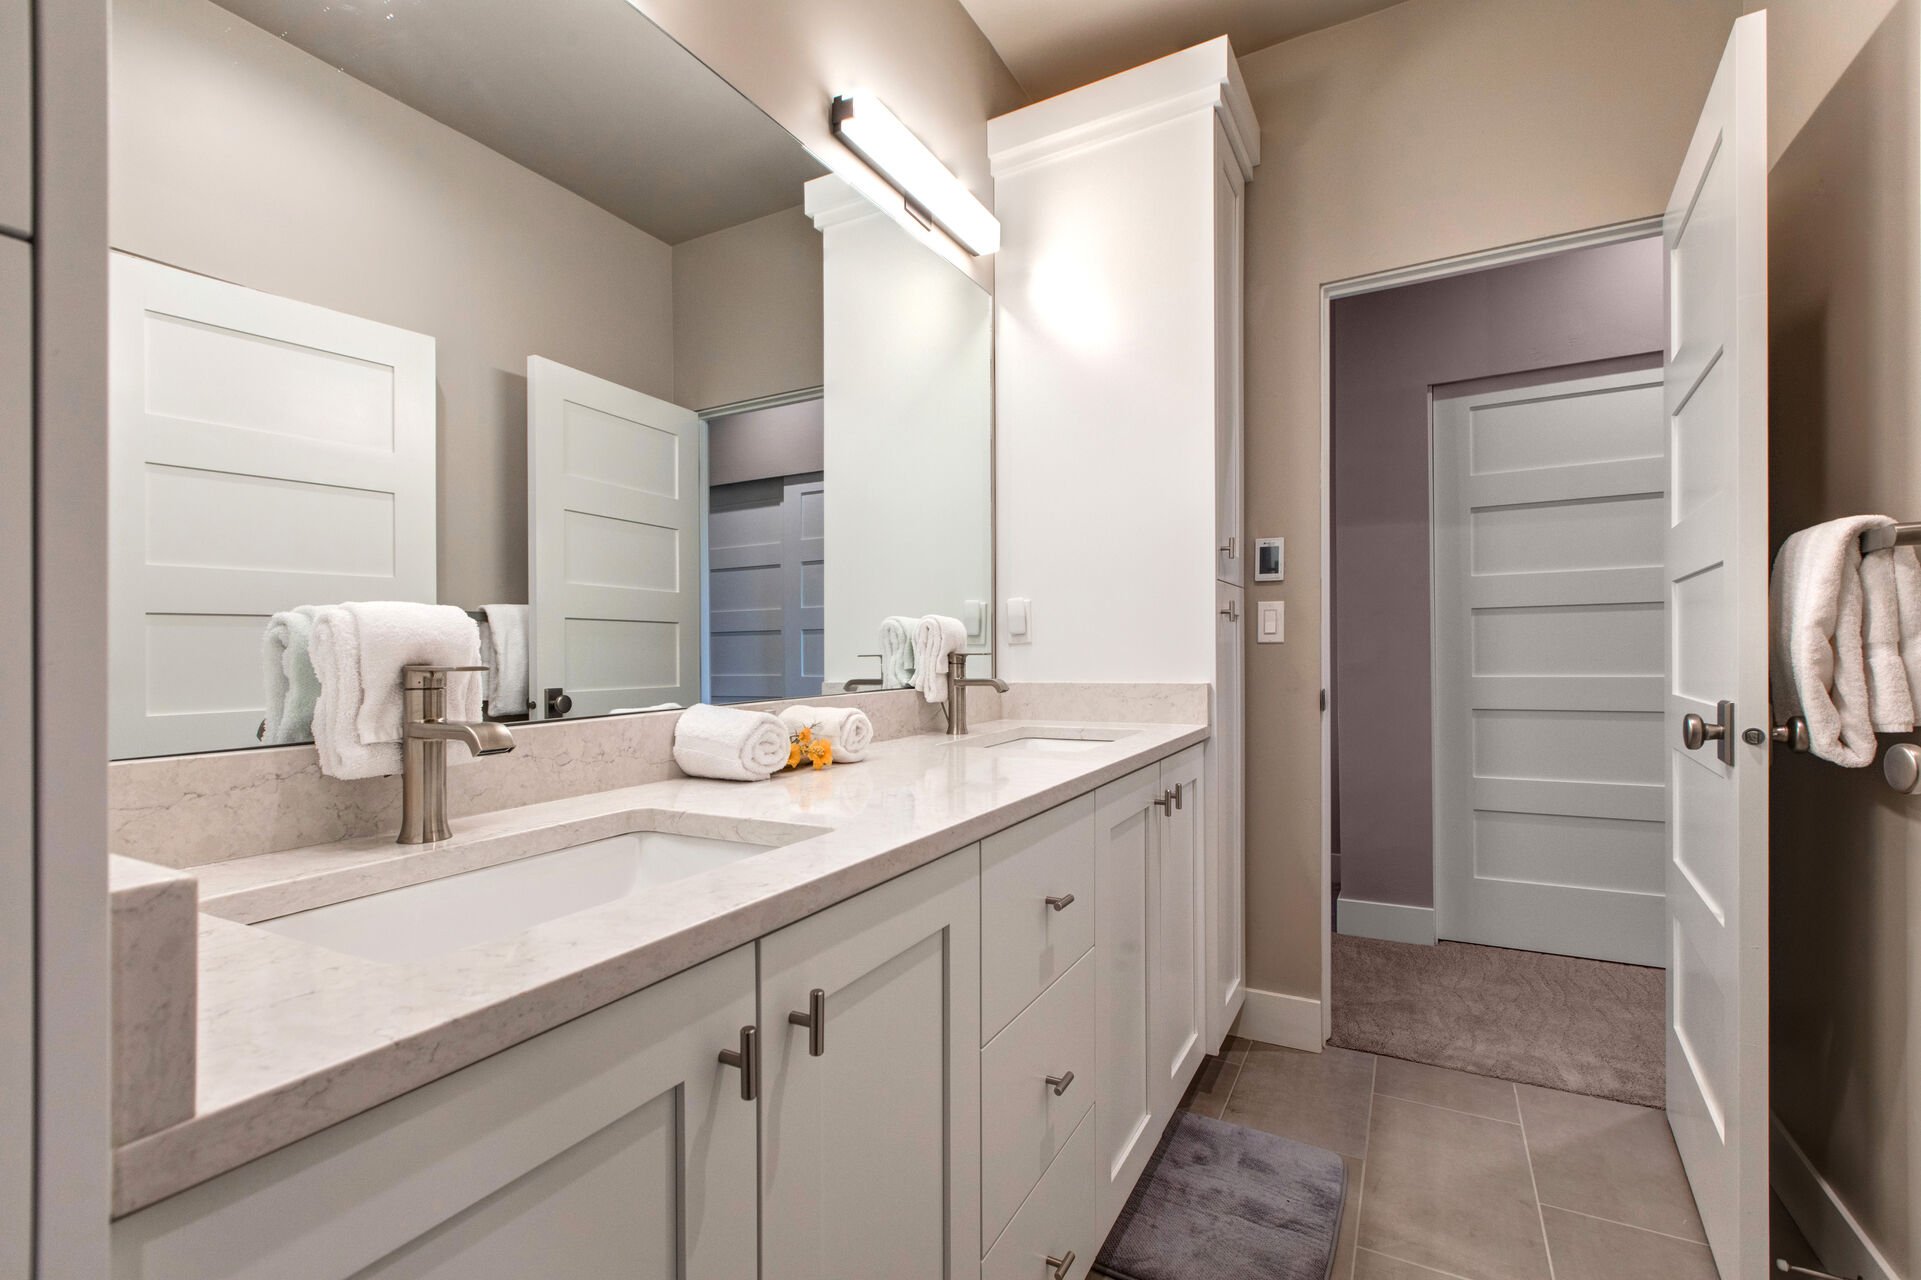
x,y
507,672
1907,603
730,744
934,638
847,728
292,686
358,651
1890,701
1819,655
897,652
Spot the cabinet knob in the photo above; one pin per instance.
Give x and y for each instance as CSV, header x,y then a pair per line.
x,y
1059,1083
815,1020
1165,802
1232,549
1061,903
1062,1265
1232,613
747,1058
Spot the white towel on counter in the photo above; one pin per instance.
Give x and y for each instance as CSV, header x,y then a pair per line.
x,y
506,658
292,687
1819,653
358,650
729,744
935,637
897,652
847,728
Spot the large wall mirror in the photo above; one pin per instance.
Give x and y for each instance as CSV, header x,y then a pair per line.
x,y
517,308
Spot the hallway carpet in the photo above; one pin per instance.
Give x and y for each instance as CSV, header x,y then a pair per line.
x,y
1583,1026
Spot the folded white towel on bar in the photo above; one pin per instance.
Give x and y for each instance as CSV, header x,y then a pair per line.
x,y
937,636
292,686
358,650
847,728
1819,650
507,665
897,652
730,744
1890,699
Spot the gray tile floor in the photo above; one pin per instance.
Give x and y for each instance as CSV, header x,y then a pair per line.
x,y
1454,1176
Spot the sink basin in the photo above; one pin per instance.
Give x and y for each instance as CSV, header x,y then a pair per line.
x,y
429,919
1044,741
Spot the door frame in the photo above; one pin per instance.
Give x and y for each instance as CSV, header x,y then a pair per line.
x,y
1352,286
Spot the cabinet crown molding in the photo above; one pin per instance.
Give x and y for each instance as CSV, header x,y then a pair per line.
x,y
1204,77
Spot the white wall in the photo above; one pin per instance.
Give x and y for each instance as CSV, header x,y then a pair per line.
x,y
747,311
908,444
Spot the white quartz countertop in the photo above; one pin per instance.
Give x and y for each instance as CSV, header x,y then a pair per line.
x,y
293,1038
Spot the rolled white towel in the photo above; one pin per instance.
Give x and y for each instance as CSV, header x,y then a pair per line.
x,y
730,744
292,687
847,728
358,651
935,637
897,652
1819,650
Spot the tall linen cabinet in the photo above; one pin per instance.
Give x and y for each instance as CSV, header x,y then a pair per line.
x,y
1118,399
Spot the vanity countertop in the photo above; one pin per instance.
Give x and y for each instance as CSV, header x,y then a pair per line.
x,y
293,1038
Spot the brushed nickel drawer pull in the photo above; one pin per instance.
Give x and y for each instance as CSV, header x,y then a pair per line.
x,y
1059,1083
1062,902
1062,1265
815,1020
747,1058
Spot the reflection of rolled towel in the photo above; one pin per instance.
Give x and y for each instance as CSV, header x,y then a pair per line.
x,y
730,744
935,637
897,652
847,728
292,686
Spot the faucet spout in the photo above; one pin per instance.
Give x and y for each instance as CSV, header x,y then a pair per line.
x,y
483,739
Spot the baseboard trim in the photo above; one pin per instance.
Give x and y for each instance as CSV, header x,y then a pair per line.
x,y
1388,921
1293,1022
1819,1211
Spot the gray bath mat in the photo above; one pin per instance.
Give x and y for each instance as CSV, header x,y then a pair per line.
x,y
1222,1202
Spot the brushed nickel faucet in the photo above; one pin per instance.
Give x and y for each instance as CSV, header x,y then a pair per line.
x,y
424,734
958,684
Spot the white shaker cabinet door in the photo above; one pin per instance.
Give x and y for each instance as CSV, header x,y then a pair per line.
x,y
1127,835
615,1145
1226,927
1176,950
870,1135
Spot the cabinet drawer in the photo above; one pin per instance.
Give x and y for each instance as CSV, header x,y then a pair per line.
x,y
1023,1121
1026,943
1057,1219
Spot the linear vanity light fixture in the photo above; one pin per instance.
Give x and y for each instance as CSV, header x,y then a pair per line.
x,y
933,194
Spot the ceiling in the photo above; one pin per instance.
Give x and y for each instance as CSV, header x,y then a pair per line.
x,y
586,93
1055,45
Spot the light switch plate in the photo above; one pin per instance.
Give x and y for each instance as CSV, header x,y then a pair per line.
x,y
1273,622
1020,627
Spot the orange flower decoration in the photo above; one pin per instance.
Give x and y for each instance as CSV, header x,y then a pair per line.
x,y
793,755
822,753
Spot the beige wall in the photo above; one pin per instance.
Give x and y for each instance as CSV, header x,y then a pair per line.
x,y
238,156
926,60
747,311
1434,128
1844,247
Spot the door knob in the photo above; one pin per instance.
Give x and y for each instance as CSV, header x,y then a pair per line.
x,y
1697,732
558,703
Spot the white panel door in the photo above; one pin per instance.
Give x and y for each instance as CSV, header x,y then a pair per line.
x,y
870,1119
264,453
613,528
16,759
1226,822
1717,571
1127,833
765,564
617,1144
1549,803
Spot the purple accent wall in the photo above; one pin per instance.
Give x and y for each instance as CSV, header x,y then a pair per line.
x,y
1389,350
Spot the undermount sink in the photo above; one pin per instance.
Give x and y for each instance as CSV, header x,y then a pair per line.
x,y
424,920
1049,741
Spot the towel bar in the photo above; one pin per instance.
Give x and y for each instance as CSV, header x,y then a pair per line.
x,y
1891,535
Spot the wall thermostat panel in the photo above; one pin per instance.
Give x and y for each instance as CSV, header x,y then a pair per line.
x,y
1270,559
